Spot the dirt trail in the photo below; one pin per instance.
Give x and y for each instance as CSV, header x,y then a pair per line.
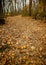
x,y
26,38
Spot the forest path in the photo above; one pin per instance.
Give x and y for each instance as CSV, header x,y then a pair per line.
x,y
27,39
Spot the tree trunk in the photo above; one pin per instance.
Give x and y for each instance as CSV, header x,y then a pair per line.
x,y
25,3
15,5
2,21
1,10
30,5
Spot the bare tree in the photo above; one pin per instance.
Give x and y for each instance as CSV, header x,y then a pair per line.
x,y
15,5
25,3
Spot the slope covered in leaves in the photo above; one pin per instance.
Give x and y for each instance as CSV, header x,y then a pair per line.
x,y
23,41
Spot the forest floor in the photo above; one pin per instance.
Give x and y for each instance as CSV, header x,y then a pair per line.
x,y
23,41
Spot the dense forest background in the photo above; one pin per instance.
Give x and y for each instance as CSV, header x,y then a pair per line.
x,y
25,7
